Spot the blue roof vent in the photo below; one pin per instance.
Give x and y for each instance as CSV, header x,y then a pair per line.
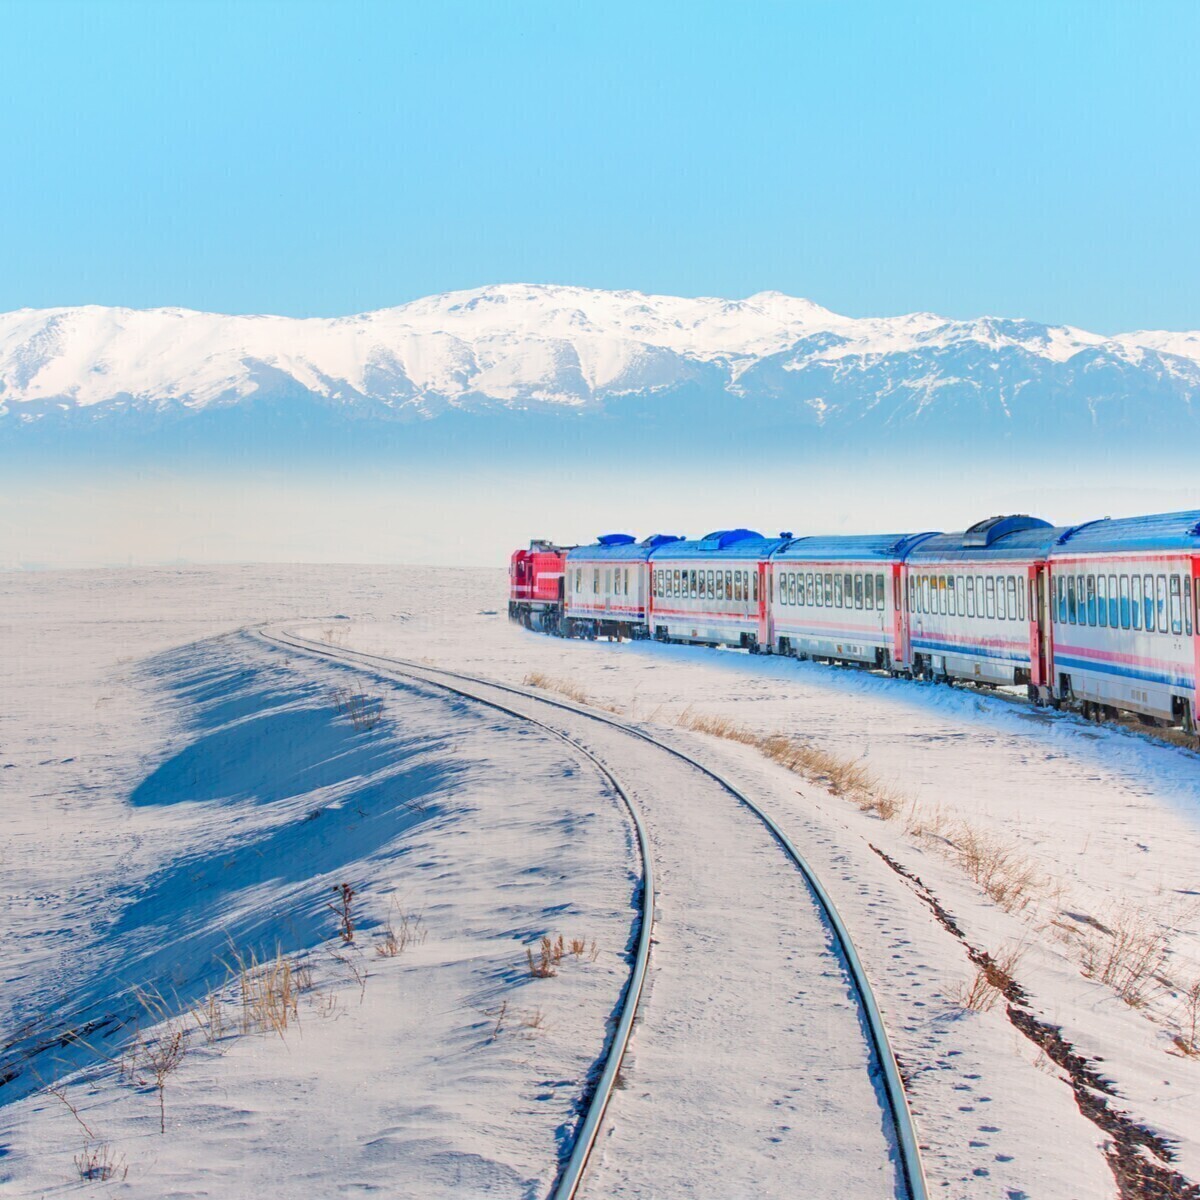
x,y
1064,537
721,538
786,534
985,533
616,539
661,539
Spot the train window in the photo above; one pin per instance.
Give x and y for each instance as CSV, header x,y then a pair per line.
x,y
1148,622
1102,601
970,590
1135,601
737,585
720,585
1091,599
848,589
1123,604
1001,605
1176,605
818,591
1187,605
710,586
595,581
858,591
1161,605
923,595
795,594
869,593
754,586
579,579
1071,600
837,591
880,600
989,595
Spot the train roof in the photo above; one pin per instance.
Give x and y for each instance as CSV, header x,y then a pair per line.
x,y
622,547
1017,536
856,547
1162,531
724,543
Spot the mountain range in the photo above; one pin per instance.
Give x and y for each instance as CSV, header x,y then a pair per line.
x,y
770,362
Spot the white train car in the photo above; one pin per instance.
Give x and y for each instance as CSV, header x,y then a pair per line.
x,y
841,598
607,586
714,590
976,602
1126,616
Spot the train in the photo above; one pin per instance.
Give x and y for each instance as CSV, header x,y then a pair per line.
x,y
1102,617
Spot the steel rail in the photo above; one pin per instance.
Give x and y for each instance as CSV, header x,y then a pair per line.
x,y
570,1172
907,1144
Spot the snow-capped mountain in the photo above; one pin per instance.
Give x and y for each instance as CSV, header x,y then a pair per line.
x,y
554,348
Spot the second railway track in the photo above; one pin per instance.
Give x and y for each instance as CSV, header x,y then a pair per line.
x,y
686,1151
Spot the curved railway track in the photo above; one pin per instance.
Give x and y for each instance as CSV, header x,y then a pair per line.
x,y
883,1059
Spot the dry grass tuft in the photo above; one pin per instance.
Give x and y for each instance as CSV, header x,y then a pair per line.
x,y
1128,954
100,1163
364,711
399,934
270,992
978,994
994,977
1188,1038
1006,875
564,687
543,966
841,776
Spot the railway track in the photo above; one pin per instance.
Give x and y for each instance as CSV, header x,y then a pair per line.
x,y
883,1065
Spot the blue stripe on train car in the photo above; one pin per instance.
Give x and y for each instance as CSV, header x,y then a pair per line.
x,y
969,651
1083,664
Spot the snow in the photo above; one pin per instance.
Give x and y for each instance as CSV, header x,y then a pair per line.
x,y
508,343
113,695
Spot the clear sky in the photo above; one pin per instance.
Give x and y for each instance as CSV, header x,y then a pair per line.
x,y
1025,159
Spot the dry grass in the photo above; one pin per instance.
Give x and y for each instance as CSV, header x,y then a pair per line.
x,y
1129,955
1006,875
552,951
399,933
995,975
841,776
544,966
978,994
208,1015
270,992
364,711
1188,1038
100,1163
564,687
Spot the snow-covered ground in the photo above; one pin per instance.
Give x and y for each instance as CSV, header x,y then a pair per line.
x,y
139,806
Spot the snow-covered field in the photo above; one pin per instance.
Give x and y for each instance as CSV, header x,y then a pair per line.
x,y
170,802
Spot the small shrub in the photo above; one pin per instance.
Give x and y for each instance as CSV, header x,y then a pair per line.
x,y
343,909
578,946
162,1059
100,1163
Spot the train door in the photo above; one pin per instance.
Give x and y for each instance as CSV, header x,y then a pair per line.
x,y
1195,564
1039,641
901,646
764,609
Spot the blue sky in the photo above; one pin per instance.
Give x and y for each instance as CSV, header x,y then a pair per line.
x,y
1023,159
